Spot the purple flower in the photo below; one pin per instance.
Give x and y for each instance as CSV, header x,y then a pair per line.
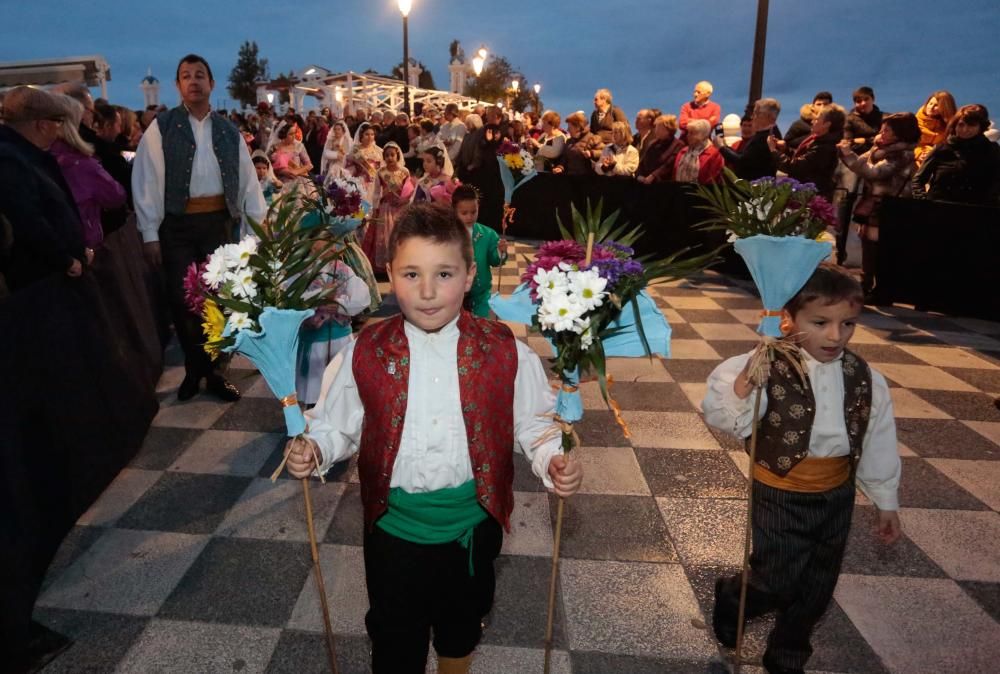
x,y
822,209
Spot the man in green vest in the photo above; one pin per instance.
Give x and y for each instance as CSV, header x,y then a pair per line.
x,y
193,182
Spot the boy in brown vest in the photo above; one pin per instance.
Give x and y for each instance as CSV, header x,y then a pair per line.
x,y
433,401
815,437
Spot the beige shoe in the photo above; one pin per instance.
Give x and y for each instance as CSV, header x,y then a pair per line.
x,y
454,665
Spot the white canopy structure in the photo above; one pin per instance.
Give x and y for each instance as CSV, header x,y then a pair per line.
x,y
349,91
93,71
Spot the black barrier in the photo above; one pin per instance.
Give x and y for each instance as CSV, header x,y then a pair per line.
x,y
940,256
79,363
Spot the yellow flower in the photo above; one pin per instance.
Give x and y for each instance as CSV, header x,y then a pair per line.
x,y
514,161
213,324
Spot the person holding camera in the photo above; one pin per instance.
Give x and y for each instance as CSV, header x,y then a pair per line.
x,y
754,159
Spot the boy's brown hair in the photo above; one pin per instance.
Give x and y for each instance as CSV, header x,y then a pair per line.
x,y
431,221
829,284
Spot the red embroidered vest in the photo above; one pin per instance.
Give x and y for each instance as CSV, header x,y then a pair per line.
x,y
487,366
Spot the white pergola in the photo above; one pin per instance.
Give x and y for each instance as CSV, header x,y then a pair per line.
x,y
350,90
93,71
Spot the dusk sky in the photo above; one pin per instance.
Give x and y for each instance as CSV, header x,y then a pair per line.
x,y
648,53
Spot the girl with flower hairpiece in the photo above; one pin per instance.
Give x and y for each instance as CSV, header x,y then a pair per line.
x,y
395,188
437,183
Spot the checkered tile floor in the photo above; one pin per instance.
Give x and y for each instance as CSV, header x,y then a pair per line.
x,y
192,561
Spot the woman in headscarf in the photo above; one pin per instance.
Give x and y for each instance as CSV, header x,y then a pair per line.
x,y
395,189
335,151
933,117
364,162
437,183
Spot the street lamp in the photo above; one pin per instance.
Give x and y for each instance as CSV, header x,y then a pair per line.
x,y
515,85
477,65
404,9
537,88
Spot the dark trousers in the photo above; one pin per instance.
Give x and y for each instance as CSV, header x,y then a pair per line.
x,y
869,263
183,240
414,590
798,546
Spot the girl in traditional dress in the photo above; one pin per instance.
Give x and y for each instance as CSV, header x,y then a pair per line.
x,y
395,190
437,183
365,161
335,152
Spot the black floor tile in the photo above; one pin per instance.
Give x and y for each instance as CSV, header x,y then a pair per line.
x,y
348,524
728,441
707,316
338,472
727,348
944,439
885,353
185,503
162,446
685,290
590,662
689,370
599,429
683,331
241,582
263,415
962,404
524,477
984,380
987,595
924,486
867,556
679,473
839,647
592,529
305,653
911,337
738,302
702,579
650,396
520,608
100,639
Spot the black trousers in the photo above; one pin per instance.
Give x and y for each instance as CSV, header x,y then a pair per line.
x,y
798,547
183,240
415,590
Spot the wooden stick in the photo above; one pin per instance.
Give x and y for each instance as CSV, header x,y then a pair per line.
x,y
320,587
747,536
552,584
590,249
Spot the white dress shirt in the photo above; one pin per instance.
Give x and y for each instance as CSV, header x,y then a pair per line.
x,y
451,134
879,467
433,450
149,181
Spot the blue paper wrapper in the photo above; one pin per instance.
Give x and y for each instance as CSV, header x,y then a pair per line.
x,y
273,351
625,342
569,404
338,226
780,266
507,178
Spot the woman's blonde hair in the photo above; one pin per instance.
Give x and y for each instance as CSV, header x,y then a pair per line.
x,y
624,129
70,131
669,122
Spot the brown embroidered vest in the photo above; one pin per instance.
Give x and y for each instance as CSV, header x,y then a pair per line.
x,y
783,436
487,366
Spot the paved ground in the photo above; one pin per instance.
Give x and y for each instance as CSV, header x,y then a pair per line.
x,y
192,561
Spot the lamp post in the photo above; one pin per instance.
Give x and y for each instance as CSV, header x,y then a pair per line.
x,y
404,9
538,101
759,41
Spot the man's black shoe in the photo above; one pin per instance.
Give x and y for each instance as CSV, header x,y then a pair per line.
x,y
771,668
188,388
222,389
724,615
44,646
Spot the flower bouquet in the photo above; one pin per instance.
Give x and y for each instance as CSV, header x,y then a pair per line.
x,y
586,294
779,227
337,205
517,167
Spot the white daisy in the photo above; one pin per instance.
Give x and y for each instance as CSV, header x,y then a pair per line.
x,y
231,255
243,284
246,248
558,312
588,287
550,281
239,321
215,271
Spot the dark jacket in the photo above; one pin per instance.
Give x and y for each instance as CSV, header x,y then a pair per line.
x,y
797,132
659,159
966,171
813,162
754,159
578,157
38,204
863,126
603,128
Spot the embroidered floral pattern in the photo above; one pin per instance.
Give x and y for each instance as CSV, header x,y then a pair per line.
x,y
778,392
774,419
796,411
784,463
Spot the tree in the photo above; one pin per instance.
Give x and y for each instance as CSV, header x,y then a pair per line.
x,y
248,69
425,81
493,83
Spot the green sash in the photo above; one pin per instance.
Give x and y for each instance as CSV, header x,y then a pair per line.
x,y
435,517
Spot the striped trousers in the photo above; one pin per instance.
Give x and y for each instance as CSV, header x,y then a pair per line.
x,y
798,547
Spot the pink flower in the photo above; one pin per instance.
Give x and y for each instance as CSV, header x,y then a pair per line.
x,y
194,288
823,209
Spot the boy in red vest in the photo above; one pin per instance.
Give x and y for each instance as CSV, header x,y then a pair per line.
x,y
433,401
815,438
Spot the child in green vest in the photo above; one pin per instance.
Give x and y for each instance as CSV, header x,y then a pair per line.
x,y
432,402
488,249
816,437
